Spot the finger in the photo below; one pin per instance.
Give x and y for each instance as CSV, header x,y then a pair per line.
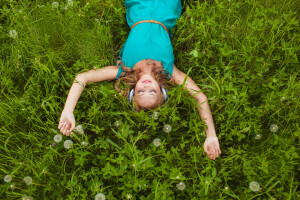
x,y
66,129
63,128
217,152
73,127
60,125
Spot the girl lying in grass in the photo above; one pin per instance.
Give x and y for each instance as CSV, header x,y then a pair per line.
x,y
145,63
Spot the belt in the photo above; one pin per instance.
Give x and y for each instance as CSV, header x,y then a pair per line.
x,y
150,21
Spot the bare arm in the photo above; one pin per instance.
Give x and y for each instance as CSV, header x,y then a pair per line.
x,y
211,145
194,90
82,79
67,120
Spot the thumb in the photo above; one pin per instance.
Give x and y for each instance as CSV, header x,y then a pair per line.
x,y
73,126
205,146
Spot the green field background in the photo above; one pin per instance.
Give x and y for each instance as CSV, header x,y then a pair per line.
x,y
243,54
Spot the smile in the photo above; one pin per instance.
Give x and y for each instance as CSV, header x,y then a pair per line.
x,y
147,81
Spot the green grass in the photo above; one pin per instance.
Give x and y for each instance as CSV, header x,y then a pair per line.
x,y
244,55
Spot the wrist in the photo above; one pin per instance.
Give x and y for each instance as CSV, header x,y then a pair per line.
x,y
67,110
210,133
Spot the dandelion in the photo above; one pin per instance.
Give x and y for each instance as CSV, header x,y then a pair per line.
x,y
55,5
258,137
283,99
274,128
7,178
181,186
68,144
84,144
57,138
27,198
12,186
157,142
254,186
27,180
100,196
129,196
167,128
13,34
117,124
79,130
70,3
155,115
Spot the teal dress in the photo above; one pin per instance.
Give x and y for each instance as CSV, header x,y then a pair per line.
x,y
150,40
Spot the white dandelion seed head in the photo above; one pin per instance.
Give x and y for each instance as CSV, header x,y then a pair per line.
x,y
7,178
117,124
274,128
258,136
79,130
70,3
100,196
57,138
155,115
157,142
55,5
254,186
13,34
167,128
128,196
283,99
27,180
181,186
68,144
84,144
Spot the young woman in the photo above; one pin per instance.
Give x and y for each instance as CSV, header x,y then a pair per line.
x,y
145,63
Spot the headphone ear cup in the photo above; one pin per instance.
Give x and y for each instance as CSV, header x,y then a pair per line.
x,y
164,91
130,95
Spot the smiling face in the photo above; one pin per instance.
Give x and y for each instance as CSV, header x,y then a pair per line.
x,y
147,91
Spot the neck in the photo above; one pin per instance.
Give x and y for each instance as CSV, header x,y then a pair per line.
x,y
145,69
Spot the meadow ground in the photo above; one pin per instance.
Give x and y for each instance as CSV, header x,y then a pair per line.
x,y
244,55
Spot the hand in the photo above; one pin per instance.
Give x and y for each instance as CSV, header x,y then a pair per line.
x,y
66,123
212,147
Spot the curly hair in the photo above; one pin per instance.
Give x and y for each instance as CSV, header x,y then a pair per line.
x,y
130,77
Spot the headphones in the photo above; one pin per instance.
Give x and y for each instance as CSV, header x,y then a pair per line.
x,y
131,94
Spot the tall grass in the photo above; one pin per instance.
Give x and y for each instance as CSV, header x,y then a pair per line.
x,y
244,55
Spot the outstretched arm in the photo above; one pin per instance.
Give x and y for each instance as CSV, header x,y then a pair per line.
x,y
211,145
67,120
